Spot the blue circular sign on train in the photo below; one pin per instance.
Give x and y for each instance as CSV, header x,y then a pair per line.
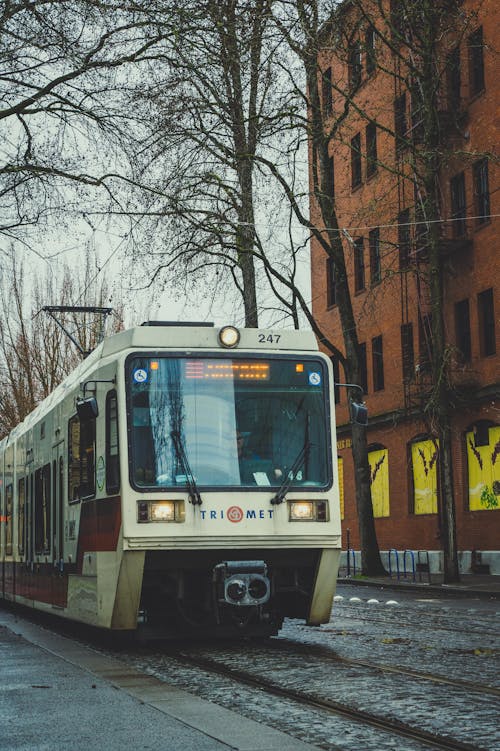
x,y
315,378
140,375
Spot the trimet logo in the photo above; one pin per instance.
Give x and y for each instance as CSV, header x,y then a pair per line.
x,y
236,514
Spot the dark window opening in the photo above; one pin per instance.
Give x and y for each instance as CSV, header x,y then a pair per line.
x,y
356,161
42,509
9,501
326,92
375,263
476,62
21,494
370,61
377,363
486,311
112,449
425,342
462,330
359,265
354,66
481,191
407,352
371,148
453,79
458,205
81,459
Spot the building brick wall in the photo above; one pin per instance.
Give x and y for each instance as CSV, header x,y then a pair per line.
x,y
381,308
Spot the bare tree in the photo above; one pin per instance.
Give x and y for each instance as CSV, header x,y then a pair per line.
x,y
35,354
63,81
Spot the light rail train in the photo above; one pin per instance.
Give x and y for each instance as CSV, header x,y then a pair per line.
x,y
182,478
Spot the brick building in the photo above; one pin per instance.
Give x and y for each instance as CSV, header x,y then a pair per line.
x,y
376,192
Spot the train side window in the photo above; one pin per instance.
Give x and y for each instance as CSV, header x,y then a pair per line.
x,y
112,446
81,459
21,493
8,519
42,509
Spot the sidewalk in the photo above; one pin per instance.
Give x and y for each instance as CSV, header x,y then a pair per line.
x,y
59,695
470,585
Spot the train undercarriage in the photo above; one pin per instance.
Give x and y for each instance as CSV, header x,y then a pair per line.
x,y
225,592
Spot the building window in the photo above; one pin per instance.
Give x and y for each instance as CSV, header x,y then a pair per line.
x,y
363,370
400,122
378,459
375,264
407,352
397,18
425,343
371,148
486,312
483,466
370,59
326,92
462,330
476,62
453,79
424,459
354,66
331,285
481,191
378,363
458,205
359,265
356,161
404,239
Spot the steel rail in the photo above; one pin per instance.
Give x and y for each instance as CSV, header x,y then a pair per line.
x,y
324,652
442,743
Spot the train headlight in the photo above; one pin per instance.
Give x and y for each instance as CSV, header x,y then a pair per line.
x,y
229,336
308,511
161,511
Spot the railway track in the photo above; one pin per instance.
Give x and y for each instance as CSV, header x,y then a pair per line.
x,y
327,654
310,700
439,622
436,623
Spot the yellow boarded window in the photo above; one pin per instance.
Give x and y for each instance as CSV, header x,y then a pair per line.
x,y
379,481
484,472
424,458
340,463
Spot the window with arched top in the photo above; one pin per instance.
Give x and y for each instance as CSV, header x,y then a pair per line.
x,y
378,459
424,461
483,465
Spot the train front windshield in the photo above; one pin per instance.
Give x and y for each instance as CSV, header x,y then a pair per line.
x,y
228,422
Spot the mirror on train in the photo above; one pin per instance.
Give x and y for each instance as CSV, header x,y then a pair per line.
x,y
359,413
87,408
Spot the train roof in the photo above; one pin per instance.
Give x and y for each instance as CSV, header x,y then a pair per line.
x,y
155,336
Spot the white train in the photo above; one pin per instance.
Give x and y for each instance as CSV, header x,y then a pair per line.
x,y
183,477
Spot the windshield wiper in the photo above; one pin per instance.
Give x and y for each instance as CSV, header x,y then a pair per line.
x,y
290,477
194,493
